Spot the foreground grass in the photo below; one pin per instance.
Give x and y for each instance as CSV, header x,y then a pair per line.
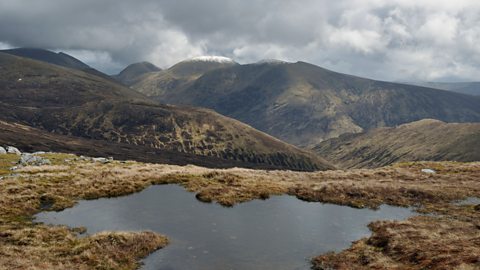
x,y
447,240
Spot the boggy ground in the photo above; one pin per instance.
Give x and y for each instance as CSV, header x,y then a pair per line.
x,y
450,239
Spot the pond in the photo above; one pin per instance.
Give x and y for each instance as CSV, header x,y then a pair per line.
x,y
279,233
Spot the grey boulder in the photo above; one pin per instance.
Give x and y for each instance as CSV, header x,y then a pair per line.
x,y
13,150
30,159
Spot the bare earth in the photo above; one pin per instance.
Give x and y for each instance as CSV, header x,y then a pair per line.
x,y
450,239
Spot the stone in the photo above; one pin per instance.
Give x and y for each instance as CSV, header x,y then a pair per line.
x,y
2,151
30,159
13,150
101,160
430,171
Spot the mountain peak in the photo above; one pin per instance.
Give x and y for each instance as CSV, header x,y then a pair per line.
x,y
211,58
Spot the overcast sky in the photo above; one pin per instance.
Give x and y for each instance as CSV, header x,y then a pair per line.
x,y
382,39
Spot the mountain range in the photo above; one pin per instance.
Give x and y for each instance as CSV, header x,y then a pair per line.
x,y
71,102
64,104
301,103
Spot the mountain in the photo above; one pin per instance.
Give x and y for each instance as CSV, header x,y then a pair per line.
x,y
131,74
31,139
180,75
74,103
469,88
426,139
60,59
304,104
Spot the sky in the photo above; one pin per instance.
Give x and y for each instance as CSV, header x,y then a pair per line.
x,y
398,40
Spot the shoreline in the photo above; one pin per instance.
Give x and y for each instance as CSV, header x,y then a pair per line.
x,y
68,180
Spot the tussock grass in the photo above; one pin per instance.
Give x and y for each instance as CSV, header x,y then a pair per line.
x,y
25,244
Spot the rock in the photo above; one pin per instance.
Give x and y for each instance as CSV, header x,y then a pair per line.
x,y
30,159
2,151
430,171
101,160
84,158
14,168
13,150
39,153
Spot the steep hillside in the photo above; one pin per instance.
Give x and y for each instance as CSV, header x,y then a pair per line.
x,y
304,104
180,75
132,73
71,102
60,59
469,88
426,139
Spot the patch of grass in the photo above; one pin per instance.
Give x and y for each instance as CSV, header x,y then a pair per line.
x,y
6,162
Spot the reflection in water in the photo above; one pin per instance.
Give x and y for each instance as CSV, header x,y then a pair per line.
x,y
279,233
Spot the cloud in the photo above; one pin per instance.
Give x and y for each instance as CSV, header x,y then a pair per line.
x,y
382,39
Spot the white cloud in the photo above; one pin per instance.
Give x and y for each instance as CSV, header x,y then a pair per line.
x,y
383,39
4,46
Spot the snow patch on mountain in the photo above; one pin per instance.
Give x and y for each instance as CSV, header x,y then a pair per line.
x,y
271,61
208,58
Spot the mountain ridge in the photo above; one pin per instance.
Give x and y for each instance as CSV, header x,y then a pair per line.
x,y
304,104
469,88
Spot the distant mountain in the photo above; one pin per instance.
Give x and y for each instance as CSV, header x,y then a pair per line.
x,y
180,75
426,139
131,74
59,59
469,88
304,104
69,102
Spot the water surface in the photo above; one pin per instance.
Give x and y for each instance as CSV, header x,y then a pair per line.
x,y
279,233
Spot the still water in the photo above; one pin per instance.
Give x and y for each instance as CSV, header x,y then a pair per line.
x,y
279,233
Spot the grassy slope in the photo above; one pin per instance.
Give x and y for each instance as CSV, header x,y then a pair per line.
x,y
422,140
410,244
72,102
304,104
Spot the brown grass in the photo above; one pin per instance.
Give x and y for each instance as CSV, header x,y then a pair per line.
x,y
61,184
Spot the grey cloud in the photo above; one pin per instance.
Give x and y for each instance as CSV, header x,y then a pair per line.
x,y
390,39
